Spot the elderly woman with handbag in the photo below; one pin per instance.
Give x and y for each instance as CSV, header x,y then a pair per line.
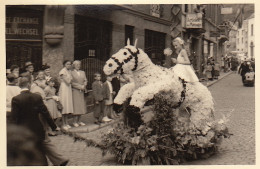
x,y
79,83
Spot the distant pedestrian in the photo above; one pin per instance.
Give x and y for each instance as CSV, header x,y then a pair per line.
x,y
65,93
217,70
243,69
98,97
208,72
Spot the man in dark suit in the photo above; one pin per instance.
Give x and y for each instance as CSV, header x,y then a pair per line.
x,y
26,109
243,69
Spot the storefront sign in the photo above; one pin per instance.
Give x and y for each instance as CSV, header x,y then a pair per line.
x,y
194,20
23,25
227,10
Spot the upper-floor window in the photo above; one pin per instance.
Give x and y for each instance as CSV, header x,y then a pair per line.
x,y
129,33
252,29
242,40
186,8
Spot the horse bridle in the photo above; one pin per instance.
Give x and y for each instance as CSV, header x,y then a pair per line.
x,y
120,64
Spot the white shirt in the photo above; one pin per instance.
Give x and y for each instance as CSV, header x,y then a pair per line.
x,y
77,72
11,91
110,86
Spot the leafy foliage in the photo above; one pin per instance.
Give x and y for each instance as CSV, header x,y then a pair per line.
x,y
166,140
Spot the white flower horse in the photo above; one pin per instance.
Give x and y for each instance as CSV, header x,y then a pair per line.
x,y
150,79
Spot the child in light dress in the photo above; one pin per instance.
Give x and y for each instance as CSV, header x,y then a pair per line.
x,y
51,99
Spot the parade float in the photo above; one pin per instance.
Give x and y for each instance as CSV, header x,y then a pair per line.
x,y
166,120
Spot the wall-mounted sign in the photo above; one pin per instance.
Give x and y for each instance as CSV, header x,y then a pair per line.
x,y
23,24
227,10
194,20
155,10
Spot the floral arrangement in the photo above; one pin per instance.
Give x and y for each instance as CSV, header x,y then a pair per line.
x,y
167,52
166,139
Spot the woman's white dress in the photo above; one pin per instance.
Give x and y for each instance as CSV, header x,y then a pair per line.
x,y
185,72
65,92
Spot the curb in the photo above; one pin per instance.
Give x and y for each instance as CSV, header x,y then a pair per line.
x,y
219,79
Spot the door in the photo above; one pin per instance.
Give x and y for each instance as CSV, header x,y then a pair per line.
x,y
93,42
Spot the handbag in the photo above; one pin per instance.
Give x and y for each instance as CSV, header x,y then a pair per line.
x,y
59,105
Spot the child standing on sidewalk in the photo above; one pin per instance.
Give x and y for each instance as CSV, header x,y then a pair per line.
x,y
51,100
108,96
98,98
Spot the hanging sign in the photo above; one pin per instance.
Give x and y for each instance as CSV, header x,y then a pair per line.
x,y
226,10
194,20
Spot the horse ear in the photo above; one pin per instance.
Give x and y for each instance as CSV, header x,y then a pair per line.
x,y
136,42
128,42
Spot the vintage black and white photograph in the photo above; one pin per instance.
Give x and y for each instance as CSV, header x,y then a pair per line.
x,y
130,84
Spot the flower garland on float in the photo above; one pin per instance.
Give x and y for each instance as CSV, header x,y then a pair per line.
x,y
179,124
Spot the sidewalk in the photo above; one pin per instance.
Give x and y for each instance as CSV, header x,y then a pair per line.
x,y
222,75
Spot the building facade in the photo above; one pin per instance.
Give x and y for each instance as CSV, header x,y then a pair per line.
x,y
251,39
245,38
205,33
92,33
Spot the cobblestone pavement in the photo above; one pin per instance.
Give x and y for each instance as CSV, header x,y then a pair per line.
x,y
230,96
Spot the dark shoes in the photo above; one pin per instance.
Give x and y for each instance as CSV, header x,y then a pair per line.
x,y
64,163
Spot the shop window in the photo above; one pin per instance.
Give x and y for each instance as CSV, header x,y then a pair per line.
x,y
252,29
252,49
129,33
154,46
186,8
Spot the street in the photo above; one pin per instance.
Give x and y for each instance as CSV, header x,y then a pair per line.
x,y
230,97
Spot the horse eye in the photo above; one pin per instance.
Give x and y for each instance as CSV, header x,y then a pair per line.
x,y
110,64
125,53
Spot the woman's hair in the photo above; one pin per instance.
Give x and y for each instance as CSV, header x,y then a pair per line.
x,y
76,61
14,67
38,74
180,41
65,61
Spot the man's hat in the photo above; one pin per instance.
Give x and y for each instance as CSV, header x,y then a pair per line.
x,y
45,66
29,63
